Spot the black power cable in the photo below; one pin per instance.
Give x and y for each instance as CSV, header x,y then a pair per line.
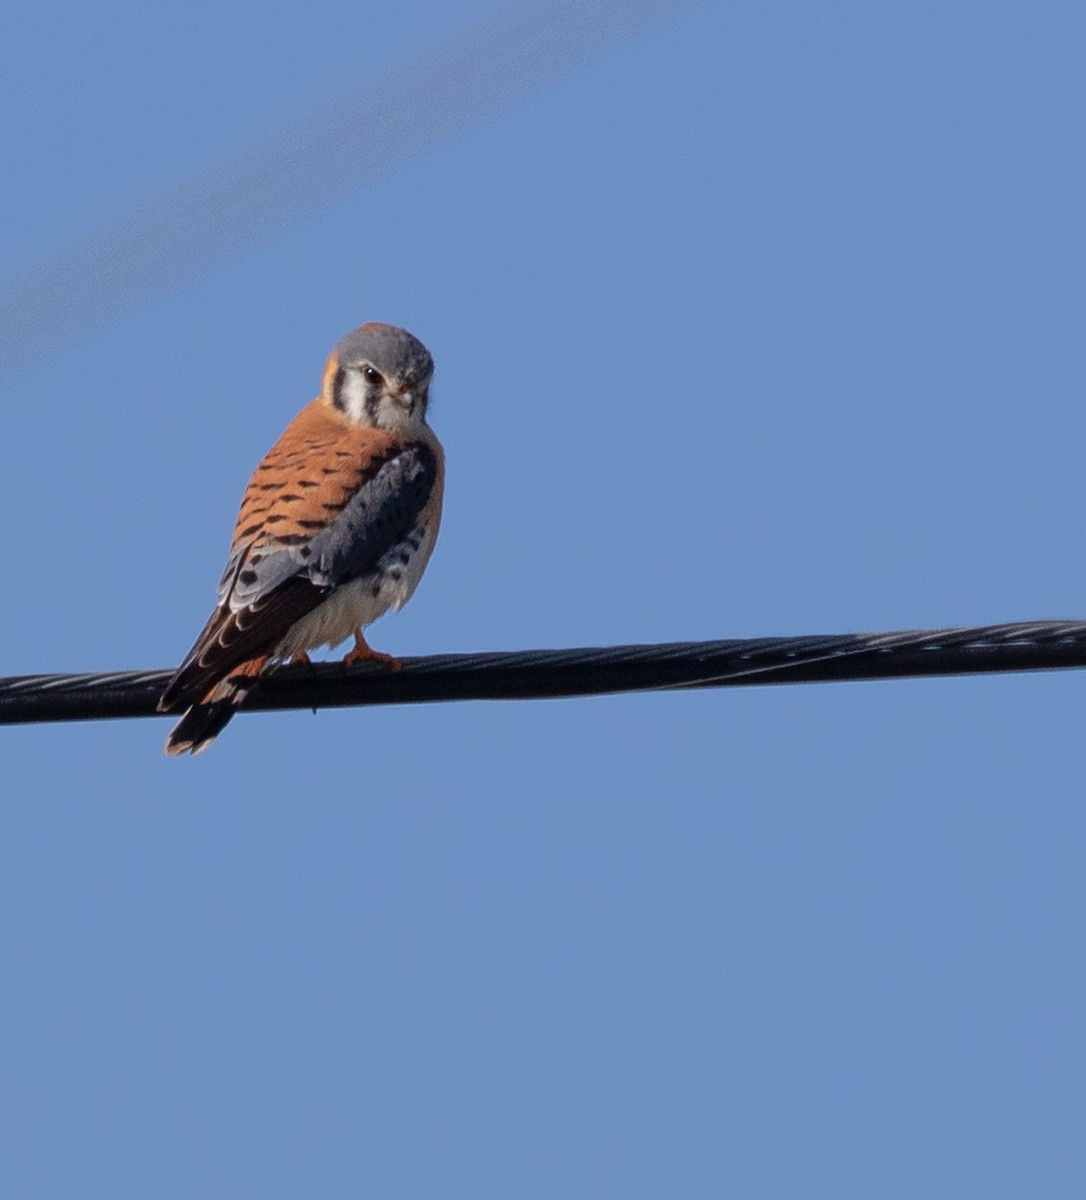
x,y
540,674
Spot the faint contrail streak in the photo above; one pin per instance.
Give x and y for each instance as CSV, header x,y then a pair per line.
x,y
381,125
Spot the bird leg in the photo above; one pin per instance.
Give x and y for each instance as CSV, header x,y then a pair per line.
x,y
301,659
363,652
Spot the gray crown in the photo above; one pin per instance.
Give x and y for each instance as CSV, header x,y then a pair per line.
x,y
393,351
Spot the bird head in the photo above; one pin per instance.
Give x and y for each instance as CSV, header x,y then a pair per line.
x,y
379,375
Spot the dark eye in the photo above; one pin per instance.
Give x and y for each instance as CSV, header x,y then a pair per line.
x,y
371,375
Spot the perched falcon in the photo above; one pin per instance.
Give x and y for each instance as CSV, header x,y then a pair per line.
x,y
336,527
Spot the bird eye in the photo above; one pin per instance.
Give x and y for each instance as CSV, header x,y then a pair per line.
x,y
371,374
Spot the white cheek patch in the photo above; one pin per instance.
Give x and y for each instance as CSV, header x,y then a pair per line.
x,y
352,395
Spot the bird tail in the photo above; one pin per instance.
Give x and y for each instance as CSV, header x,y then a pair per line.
x,y
203,721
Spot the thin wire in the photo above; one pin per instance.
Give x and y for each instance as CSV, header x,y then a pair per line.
x,y
543,674
381,125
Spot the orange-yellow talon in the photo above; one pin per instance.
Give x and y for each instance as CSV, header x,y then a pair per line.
x,y
362,652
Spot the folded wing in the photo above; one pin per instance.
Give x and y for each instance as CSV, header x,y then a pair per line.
x,y
303,531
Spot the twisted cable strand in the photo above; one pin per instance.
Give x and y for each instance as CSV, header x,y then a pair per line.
x,y
540,674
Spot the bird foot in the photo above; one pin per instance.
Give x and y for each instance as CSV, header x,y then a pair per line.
x,y
363,652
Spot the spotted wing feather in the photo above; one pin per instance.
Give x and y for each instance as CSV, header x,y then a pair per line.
x,y
287,567
377,515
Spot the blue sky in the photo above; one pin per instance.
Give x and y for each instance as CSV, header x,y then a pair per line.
x,y
768,321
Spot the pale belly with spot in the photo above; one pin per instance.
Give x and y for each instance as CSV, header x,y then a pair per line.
x,y
359,603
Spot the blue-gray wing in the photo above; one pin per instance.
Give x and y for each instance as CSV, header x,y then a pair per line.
x,y
305,548
331,548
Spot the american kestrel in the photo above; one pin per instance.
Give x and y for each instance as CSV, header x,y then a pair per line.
x,y
336,527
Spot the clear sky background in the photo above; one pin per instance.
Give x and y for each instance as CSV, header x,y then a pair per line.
x,y
768,321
